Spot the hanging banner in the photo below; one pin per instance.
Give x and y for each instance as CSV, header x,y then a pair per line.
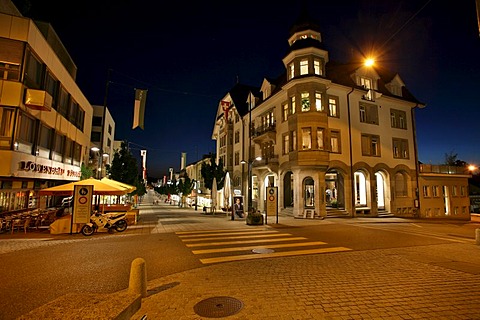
x,y
225,107
139,108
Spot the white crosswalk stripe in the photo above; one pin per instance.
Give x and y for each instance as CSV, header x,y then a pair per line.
x,y
215,246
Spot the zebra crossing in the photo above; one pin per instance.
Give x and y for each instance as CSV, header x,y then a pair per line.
x,y
215,246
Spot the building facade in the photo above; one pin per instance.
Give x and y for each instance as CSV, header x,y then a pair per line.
x,y
336,139
45,120
102,140
200,195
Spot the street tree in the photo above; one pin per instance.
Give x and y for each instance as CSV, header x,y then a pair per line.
x,y
211,170
86,172
124,168
184,187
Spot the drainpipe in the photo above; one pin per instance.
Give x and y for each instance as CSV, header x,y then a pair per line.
x,y
351,156
417,166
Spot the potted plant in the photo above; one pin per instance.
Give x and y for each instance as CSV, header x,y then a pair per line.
x,y
334,203
254,217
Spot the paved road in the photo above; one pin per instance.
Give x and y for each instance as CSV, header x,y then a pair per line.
x,y
413,270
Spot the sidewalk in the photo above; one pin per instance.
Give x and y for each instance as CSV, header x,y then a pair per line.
x,y
429,282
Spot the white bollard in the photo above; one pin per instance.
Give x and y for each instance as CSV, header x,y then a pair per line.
x,y
138,278
477,236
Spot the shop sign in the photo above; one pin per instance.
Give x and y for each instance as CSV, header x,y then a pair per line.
x,y
31,166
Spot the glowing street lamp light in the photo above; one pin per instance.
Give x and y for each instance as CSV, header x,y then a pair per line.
x,y
369,62
99,161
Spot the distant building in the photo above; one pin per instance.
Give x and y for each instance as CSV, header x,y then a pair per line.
x,y
200,195
102,138
336,139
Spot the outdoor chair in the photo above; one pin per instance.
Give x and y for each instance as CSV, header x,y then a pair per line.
x,y
21,223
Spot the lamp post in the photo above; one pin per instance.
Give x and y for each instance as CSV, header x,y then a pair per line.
x,y
249,182
99,160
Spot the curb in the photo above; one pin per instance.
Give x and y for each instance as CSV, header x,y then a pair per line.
x,y
120,305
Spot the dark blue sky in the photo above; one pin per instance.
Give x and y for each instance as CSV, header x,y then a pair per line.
x,y
188,54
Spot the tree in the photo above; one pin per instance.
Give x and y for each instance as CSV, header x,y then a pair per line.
x,y
185,187
86,172
451,160
212,170
124,168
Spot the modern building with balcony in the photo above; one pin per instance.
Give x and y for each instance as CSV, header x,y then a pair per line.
x,y
45,120
336,139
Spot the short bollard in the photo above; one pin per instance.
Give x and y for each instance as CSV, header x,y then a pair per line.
x,y
477,236
138,278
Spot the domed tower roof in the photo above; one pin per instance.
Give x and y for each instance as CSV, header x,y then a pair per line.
x,y
304,22
305,32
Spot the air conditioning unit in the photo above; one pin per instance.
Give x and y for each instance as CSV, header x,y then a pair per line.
x,y
38,100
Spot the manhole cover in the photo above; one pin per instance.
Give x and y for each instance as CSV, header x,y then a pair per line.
x,y
218,307
262,250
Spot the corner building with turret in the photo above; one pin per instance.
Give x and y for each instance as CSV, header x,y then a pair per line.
x,y
335,139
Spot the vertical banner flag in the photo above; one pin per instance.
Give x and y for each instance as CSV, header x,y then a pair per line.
x,y
139,108
226,107
143,153
477,2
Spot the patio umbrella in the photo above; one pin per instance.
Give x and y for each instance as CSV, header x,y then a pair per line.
x,y
227,191
99,188
214,194
127,187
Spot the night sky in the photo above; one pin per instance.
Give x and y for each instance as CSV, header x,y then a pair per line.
x,y
188,54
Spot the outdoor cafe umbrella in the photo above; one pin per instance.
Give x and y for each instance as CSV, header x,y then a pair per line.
x,y
99,188
214,194
127,187
227,191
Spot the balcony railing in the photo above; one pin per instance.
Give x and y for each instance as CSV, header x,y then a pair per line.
x,y
270,160
258,131
443,169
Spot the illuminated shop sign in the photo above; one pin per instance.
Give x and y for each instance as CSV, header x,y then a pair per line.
x,y
41,168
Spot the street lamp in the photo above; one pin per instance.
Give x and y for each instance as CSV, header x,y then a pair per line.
x,y
369,62
250,195
99,163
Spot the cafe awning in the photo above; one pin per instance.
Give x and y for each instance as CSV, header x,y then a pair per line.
x,y
99,188
127,187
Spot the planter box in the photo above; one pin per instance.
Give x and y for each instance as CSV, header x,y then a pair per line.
x,y
254,219
132,216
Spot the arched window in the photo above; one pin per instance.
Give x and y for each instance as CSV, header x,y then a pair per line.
x,y
360,189
309,192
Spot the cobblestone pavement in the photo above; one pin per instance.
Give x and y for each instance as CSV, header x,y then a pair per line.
x,y
407,283
426,282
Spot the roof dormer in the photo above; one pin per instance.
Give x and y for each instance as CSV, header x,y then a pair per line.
x,y
267,88
395,86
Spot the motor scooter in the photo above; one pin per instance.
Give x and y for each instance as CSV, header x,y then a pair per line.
x,y
109,221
